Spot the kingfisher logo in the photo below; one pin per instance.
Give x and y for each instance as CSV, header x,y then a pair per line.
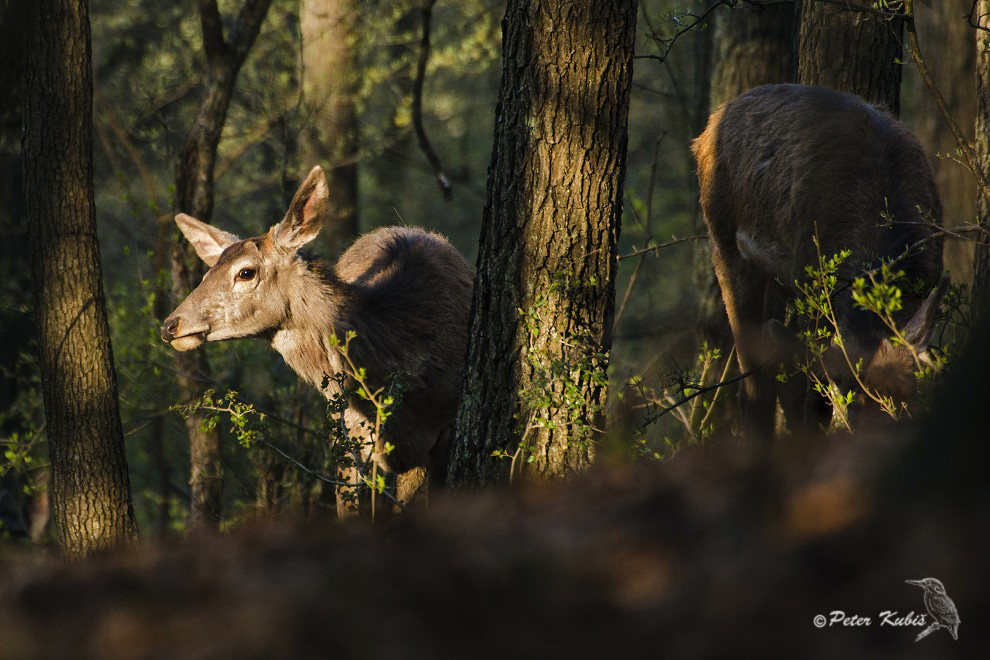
x,y
940,607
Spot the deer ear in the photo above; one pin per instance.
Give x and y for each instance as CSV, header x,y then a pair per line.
x,y
307,212
919,329
209,242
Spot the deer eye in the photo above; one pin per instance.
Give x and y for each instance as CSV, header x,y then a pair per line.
x,y
246,274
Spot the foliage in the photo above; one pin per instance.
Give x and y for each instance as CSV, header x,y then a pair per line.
x,y
364,450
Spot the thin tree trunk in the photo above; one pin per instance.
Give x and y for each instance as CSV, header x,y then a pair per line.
x,y
89,483
330,135
545,293
981,266
851,51
194,195
947,39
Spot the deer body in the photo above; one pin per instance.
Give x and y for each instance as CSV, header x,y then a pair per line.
x,y
784,164
403,291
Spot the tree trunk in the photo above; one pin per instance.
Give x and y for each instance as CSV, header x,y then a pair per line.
x,y
981,266
851,51
947,40
330,134
752,46
89,484
194,195
545,293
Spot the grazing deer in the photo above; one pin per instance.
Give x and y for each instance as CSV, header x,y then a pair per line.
x,y
404,291
781,165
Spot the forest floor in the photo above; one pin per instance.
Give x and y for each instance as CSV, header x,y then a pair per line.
x,y
714,553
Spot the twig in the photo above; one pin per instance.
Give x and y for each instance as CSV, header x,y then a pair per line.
x,y
654,248
649,217
252,139
698,392
846,5
725,372
969,18
417,105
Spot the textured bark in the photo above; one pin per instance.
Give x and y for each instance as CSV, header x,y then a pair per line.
x,y
851,51
90,486
947,40
547,256
981,266
194,195
752,46
330,136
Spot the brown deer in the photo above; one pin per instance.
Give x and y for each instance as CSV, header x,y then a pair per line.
x,y
404,291
784,164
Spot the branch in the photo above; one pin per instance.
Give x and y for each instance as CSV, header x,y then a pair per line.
x,y
259,132
698,392
212,27
969,18
246,28
667,43
943,108
417,104
654,248
846,5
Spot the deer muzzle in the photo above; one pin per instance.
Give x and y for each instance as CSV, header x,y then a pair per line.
x,y
182,335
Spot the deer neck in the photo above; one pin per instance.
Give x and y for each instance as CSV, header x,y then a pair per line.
x,y
316,310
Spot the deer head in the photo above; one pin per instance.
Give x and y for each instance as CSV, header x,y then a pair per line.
x,y
248,290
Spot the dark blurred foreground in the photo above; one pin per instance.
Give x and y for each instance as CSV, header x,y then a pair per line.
x,y
712,554
715,553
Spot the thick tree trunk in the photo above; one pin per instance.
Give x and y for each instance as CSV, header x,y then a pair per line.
x,y
752,46
851,51
947,40
194,195
981,266
544,293
89,484
330,134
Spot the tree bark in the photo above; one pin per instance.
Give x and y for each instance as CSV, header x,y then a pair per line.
x,y
330,136
948,43
89,484
544,292
851,51
752,46
981,266
194,195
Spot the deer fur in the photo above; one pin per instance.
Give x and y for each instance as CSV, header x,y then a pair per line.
x,y
404,291
776,167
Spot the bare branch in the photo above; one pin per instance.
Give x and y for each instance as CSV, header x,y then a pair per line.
x,y
943,108
654,248
417,104
698,391
970,18
846,5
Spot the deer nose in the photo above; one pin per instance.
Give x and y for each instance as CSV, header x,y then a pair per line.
x,y
169,329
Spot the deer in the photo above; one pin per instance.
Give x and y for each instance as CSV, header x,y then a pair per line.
x,y
780,168
403,292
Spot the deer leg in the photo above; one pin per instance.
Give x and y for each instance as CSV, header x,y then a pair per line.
x,y
745,293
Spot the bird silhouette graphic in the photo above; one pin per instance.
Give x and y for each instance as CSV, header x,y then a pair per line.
x,y
940,606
